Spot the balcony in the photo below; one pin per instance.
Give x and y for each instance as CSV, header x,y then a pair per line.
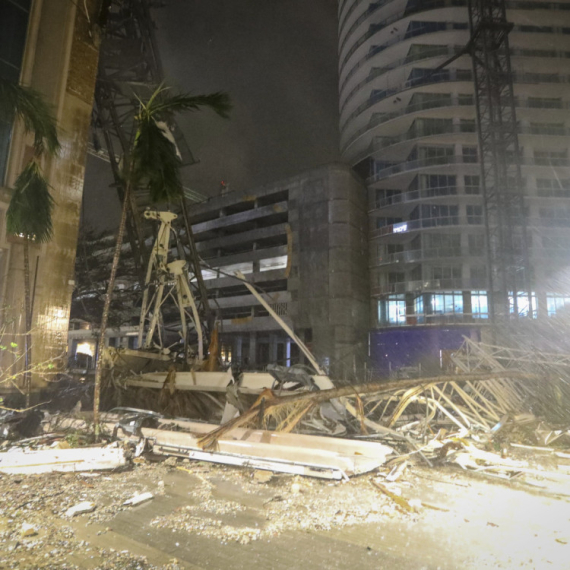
x,y
419,255
415,195
410,165
429,285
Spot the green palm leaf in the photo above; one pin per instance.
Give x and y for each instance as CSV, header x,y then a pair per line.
x,y
155,156
29,105
156,163
29,213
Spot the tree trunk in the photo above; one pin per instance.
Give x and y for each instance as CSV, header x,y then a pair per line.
x,y
28,315
105,315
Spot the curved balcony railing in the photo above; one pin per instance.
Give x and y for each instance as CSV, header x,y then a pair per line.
x,y
415,195
449,52
438,319
421,133
443,76
410,165
374,29
511,5
445,102
419,255
406,35
472,284
426,223
448,76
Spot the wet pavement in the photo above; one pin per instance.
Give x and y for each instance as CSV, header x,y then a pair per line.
x,y
212,517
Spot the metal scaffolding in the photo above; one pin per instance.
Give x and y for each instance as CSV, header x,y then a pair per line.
x,y
508,270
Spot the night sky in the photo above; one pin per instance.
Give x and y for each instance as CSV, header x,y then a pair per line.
x,y
278,61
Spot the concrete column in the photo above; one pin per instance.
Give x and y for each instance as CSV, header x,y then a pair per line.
x,y
252,349
236,356
273,348
542,307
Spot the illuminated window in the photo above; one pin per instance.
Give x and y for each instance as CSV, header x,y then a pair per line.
x,y
556,302
396,310
523,304
447,303
479,306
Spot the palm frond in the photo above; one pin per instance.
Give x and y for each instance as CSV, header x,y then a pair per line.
x,y
29,105
157,165
30,209
163,104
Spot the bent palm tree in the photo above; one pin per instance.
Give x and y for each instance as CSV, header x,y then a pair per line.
x,y
31,205
153,162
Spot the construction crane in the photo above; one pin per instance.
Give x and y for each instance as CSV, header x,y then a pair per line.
x,y
508,268
130,68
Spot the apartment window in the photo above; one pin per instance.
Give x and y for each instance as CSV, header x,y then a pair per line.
x,y
422,51
553,188
438,184
537,29
395,248
472,184
446,272
419,308
479,306
551,157
448,244
476,244
429,100
395,278
465,99
556,302
547,128
385,197
467,126
435,154
470,154
382,222
396,310
555,217
420,75
417,28
427,127
523,305
447,303
478,275
544,103
436,215
474,215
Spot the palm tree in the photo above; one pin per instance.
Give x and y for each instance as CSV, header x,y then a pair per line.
x,y
30,209
153,162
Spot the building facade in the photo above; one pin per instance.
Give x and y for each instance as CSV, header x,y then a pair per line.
x,y
303,241
52,47
411,134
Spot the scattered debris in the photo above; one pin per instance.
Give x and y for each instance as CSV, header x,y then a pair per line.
x,y
138,499
62,460
80,508
28,530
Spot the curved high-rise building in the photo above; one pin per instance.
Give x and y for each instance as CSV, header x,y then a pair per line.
x,y
411,134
